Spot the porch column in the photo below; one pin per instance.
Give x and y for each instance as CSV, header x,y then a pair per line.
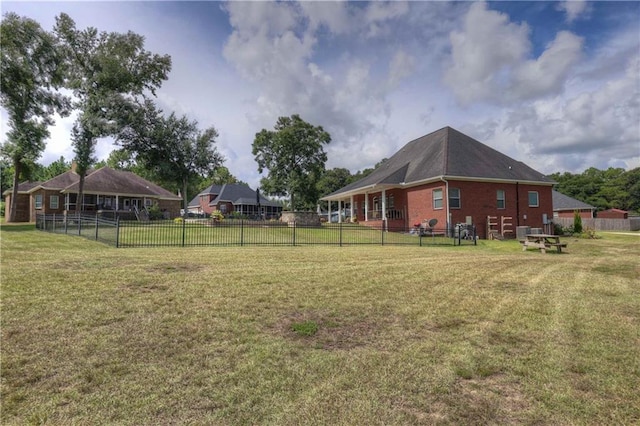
x,y
366,206
328,211
339,211
117,203
384,204
351,208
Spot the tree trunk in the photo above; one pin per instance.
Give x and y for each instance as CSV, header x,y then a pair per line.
x,y
17,166
80,200
185,202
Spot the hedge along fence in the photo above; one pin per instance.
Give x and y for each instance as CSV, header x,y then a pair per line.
x,y
631,224
230,232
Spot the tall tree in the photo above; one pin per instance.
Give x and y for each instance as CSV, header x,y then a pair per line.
x,y
174,148
295,159
31,70
109,73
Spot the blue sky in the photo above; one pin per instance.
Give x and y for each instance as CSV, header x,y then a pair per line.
x,y
553,84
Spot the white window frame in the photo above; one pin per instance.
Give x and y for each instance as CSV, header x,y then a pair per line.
x,y
537,200
438,199
56,205
38,201
502,199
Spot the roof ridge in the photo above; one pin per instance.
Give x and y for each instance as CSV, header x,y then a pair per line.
x,y
445,148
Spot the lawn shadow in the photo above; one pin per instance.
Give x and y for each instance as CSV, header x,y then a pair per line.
x,y
17,227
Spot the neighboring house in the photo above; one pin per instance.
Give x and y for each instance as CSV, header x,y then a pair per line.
x,y
453,178
613,214
565,206
234,197
105,190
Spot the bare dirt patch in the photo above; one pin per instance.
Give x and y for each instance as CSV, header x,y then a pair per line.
x,y
334,333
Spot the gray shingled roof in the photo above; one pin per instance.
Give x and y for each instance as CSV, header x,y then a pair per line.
x,y
109,181
23,187
444,153
61,181
564,202
240,194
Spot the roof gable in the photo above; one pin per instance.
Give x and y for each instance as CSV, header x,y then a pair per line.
x,y
564,202
109,181
238,193
446,153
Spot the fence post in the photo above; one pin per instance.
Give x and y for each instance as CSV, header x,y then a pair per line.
x,y
294,233
241,232
340,233
66,223
117,232
184,229
382,233
54,223
97,226
79,218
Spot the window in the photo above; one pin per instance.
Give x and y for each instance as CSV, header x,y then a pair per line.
x,y
390,202
533,199
454,198
148,202
500,197
437,198
53,202
38,201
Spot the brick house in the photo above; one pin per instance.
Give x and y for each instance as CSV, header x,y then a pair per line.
x,y
234,198
106,191
613,214
565,207
452,178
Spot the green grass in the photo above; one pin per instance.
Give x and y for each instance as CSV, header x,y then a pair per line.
x,y
170,233
405,334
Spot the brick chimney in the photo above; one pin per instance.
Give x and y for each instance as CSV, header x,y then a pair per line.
x,y
74,166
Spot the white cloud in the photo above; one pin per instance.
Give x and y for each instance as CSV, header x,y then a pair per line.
x,y
547,74
488,45
489,60
574,9
402,66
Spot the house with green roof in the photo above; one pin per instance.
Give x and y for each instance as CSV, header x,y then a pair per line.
x,y
449,178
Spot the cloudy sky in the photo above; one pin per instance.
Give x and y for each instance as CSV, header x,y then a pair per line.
x,y
553,84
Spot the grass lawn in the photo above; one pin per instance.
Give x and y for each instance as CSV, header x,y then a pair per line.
x,y
318,334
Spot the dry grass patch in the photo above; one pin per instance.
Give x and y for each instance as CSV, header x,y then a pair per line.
x,y
405,335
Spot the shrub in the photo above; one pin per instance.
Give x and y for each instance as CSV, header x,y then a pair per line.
x,y
577,222
217,216
155,213
178,220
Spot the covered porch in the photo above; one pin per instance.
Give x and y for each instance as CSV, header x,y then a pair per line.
x,y
385,207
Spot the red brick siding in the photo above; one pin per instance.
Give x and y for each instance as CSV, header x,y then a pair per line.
x,y
612,214
23,208
477,199
584,214
171,206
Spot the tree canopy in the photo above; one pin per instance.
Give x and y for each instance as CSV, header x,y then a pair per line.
x,y
604,189
294,158
174,148
108,73
31,69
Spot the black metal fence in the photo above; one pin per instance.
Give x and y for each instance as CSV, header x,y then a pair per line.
x,y
242,232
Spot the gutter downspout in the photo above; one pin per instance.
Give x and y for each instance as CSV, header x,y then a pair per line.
x,y
446,198
517,204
